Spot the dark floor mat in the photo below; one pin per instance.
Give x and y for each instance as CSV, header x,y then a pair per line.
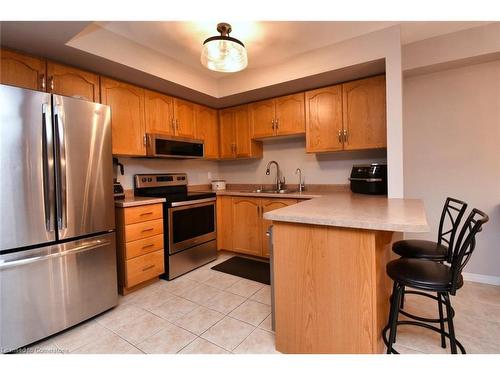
x,y
247,268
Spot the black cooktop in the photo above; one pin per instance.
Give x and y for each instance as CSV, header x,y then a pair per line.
x,y
173,196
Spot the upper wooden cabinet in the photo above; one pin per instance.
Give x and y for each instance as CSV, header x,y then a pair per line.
x,y
364,113
235,134
279,116
127,116
207,129
349,116
69,81
324,119
184,114
22,70
169,116
159,110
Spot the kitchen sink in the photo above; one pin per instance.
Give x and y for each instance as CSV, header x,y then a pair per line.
x,y
274,191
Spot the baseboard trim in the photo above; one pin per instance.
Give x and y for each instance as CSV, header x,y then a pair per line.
x,y
483,279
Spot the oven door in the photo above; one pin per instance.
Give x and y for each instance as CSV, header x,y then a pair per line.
x,y
191,223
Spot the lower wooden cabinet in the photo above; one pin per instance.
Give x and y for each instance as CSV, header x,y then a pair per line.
x,y
139,233
241,226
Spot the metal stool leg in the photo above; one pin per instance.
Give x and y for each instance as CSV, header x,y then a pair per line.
x,y
441,319
393,316
402,298
451,329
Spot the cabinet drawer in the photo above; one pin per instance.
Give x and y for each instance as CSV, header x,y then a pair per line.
x,y
144,268
142,230
139,214
146,245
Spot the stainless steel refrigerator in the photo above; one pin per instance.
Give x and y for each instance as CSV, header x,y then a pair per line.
x,y
57,239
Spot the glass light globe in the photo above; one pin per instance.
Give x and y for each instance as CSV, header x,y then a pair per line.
x,y
224,55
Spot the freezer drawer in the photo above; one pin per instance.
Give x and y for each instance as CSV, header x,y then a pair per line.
x,y
46,290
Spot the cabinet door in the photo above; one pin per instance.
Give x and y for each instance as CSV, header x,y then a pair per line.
x,y
184,113
159,110
324,119
262,118
224,223
242,130
207,128
269,205
247,226
127,116
227,143
22,70
69,81
290,114
364,113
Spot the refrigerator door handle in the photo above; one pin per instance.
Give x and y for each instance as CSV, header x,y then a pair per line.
x,y
47,163
86,246
62,217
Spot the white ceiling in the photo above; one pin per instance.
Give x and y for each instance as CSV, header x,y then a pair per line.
x,y
268,42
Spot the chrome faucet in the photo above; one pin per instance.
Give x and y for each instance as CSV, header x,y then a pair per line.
x,y
302,186
280,182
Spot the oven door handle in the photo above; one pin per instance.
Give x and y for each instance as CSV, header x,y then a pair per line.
x,y
189,203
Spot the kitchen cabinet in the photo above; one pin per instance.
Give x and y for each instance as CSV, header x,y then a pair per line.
x,y
127,116
207,129
224,222
364,113
169,116
278,116
69,81
240,224
17,69
184,116
139,234
235,134
247,226
349,116
324,119
159,113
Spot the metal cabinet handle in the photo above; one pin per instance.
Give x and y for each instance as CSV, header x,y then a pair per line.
x,y
43,81
52,83
148,267
340,136
277,123
146,213
147,230
177,125
272,122
346,136
147,246
173,125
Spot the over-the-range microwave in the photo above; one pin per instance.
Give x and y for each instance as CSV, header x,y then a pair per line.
x,y
162,146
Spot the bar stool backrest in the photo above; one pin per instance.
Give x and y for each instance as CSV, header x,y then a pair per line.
x,y
466,244
453,210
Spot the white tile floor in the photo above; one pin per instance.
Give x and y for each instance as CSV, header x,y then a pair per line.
x,y
207,311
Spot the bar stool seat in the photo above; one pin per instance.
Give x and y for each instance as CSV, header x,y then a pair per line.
x,y
421,249
422,274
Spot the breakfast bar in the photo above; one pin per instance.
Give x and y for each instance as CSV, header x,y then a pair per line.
x,y
329,257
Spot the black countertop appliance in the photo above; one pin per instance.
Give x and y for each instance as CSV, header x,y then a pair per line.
x,y
369,179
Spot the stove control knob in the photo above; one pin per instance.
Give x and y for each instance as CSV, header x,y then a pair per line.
x,y
150,179
144,179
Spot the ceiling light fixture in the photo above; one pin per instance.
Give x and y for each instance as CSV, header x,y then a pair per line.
x,y
223,53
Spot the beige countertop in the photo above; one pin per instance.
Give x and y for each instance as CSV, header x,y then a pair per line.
x,y
250,193
345,209
131,201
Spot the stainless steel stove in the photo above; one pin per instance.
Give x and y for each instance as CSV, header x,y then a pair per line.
x,y
190,233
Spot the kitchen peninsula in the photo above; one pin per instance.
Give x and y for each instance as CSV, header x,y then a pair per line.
x,y
331,288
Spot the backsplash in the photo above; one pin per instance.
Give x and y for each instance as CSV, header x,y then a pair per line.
x,y
197,170
333,168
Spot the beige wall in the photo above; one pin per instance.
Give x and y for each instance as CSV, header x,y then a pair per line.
x,y
452,148
332,168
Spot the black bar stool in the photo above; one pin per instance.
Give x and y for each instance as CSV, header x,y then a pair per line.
x,y
430,276
451,216
440,251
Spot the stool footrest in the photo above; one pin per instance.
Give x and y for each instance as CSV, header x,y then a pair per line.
x,y
420,318
418,324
